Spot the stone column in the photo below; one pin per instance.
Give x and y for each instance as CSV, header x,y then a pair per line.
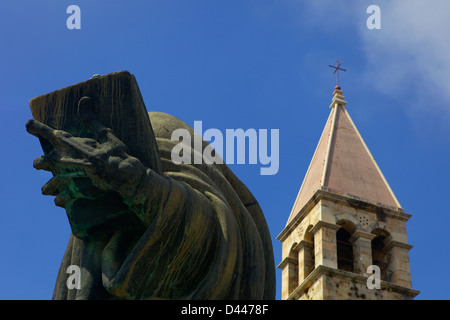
x,y
305,259
325,248
362,251
289,276
398,263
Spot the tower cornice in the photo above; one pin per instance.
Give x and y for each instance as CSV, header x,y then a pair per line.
x,y
346,199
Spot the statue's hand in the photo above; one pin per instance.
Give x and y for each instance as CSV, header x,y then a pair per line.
x,y
104,160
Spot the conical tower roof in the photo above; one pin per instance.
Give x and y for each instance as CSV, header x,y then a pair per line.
x,y
343,164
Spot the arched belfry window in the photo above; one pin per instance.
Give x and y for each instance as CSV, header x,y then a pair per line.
x,y
344,246
379,257
293,268
310,259
344,250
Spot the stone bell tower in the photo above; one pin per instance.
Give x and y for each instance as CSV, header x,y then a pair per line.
x,y
345,219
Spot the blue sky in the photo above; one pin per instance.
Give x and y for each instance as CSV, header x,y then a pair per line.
x,y
237,64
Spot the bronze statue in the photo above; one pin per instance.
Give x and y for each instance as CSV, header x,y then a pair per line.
x,y
142,226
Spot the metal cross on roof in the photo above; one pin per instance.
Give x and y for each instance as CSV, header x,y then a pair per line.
x,y
336,71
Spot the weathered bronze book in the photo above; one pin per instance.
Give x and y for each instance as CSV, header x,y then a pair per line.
x,y
119,105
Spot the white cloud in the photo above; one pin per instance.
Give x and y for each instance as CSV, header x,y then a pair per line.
x,y
412,52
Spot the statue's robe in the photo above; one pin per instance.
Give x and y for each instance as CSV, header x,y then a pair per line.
x,y
205,237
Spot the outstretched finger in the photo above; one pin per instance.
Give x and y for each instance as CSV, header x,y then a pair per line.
x,y
71,162
53,161
61,138
41,130
58,183
44,163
